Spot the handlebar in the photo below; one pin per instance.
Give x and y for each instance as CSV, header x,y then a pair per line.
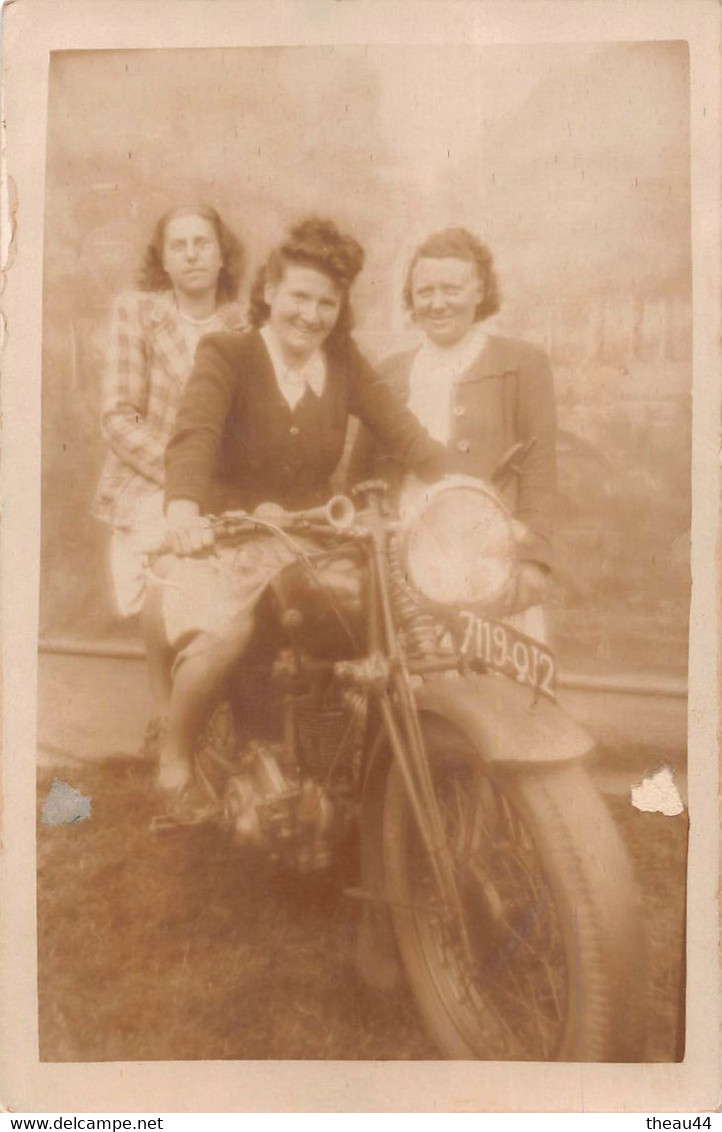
x,y
338,515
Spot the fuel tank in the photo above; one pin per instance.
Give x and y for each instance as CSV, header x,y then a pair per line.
x,y
323,604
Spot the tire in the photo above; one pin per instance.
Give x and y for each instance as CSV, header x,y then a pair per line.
x,y
554,964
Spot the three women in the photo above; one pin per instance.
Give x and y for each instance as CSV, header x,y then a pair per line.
x,y
264,418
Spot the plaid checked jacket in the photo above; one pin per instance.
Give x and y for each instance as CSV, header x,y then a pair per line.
x,y
148,365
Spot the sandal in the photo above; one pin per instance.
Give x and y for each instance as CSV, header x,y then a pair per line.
x,y
187,807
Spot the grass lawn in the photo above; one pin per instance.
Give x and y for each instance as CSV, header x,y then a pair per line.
x,y
177,947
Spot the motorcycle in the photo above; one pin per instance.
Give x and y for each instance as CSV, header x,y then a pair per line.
x,y
391,696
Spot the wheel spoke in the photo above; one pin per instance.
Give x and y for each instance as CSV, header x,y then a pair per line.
x,y
500,877
499,974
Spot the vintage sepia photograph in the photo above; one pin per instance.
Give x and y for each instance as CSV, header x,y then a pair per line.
x,y
365,560
360,595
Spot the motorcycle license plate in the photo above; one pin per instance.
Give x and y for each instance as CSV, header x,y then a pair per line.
x,y
503,649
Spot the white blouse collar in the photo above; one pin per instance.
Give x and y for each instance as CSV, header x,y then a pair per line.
x,y
293,383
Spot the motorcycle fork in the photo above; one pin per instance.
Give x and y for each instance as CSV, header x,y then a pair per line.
x,y
407,742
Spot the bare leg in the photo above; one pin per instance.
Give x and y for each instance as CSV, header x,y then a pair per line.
x,y
197,683
201,668
159,655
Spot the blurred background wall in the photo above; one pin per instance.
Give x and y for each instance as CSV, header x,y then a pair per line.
x,y
570,161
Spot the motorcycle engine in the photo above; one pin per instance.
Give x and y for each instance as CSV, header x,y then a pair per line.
x,y
274,809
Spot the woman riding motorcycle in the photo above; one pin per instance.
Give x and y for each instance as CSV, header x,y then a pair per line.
x,y
263,419
520,939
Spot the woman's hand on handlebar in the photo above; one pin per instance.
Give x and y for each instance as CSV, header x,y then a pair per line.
x,y
532,583
189,532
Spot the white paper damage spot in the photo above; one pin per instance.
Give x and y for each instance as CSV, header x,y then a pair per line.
x,y
64,805
658,794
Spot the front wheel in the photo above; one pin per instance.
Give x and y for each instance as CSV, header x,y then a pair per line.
x,y
549,961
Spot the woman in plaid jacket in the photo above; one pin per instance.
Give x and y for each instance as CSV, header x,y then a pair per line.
x,y
187,288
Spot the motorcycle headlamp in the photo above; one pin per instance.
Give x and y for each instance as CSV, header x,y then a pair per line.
x,y
457,542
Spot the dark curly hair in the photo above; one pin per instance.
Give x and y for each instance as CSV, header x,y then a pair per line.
x,y
458,243
154,278
318,244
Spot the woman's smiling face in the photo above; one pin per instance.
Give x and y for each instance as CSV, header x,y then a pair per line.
x,y
444,295
305,306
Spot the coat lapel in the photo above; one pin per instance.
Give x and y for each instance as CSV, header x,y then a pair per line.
x,y
265,373
491,362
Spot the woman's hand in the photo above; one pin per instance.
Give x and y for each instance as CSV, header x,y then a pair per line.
x,y
189,532
531,585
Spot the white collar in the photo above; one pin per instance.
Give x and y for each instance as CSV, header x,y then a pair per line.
x,y
454,360
435,372
293,383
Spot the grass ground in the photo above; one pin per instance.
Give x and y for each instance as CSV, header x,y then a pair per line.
x,y
176,947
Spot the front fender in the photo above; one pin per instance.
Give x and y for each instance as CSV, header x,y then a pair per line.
x,y
505,721
502,720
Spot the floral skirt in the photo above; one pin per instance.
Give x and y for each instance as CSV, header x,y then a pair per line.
x,y
213,598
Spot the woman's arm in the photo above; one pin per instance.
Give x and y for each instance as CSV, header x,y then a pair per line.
x,y
188,532
536,417
127,387
362,461
192,454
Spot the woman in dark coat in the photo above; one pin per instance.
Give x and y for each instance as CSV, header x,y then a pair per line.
x,y
479,394
263,419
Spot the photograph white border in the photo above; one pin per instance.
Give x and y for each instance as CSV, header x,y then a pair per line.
x,y
32,29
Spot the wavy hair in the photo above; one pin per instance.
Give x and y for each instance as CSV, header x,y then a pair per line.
x,y
153,277
318,244
458,243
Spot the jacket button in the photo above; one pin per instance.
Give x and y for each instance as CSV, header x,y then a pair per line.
x,y
459,410
463,445
294,430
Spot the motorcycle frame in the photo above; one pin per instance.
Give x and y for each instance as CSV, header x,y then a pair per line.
x,y
483,708
476,705
384,676
399,720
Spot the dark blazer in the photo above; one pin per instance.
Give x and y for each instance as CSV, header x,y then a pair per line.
x,y
237,442
506,396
